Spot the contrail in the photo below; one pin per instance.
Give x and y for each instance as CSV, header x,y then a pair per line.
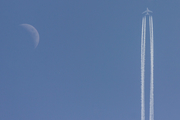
x,y
151,111
143,40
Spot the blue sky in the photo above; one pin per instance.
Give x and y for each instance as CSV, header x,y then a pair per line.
x,y
87,63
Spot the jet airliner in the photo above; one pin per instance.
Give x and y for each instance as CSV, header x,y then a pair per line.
x,y
147,11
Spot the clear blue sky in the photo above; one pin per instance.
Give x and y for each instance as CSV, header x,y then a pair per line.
x,y
87,63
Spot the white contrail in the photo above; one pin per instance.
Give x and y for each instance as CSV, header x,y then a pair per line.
x,y
143,40
151,111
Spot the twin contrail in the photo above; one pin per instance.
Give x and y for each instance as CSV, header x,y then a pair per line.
x,y
143,44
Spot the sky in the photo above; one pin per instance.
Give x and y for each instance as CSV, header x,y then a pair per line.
x,y
87,63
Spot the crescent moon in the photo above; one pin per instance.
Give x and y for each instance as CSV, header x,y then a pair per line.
x,y
34,33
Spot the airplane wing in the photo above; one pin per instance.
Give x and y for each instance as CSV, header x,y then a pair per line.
x,y
144,12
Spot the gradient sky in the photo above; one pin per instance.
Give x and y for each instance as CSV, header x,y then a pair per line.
x,y
87,63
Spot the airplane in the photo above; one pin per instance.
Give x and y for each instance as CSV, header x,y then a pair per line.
x,y
147,11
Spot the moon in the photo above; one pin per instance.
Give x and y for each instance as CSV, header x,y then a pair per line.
x,y
34,33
